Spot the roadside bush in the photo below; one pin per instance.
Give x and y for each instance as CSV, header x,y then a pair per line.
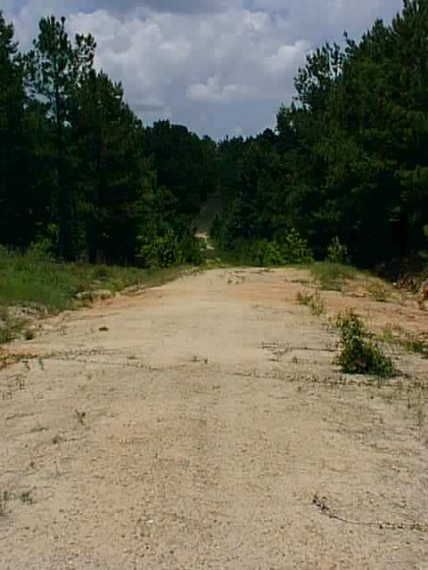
x,y
267,253
337,252
359,354
295,249
254,252
161,251
166,250
193,250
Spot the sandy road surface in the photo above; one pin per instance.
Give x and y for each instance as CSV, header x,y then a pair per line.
x,y
196,430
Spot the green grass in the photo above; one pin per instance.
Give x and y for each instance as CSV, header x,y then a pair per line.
x,y
331,276
31,280
27,279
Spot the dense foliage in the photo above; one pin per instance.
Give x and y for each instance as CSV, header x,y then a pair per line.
x,y
79,174
347,167
344,175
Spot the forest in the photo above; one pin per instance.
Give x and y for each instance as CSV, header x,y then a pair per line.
x,y
343,175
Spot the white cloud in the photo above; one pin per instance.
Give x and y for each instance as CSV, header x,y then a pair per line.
x,y
177,59
214,92
287,57
215,65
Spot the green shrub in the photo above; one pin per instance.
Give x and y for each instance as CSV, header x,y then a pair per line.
x,y
337,252
161,251
359,354
267,253
166,250
295,249
193,250
254,252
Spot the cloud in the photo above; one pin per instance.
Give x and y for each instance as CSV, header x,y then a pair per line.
x,y
219,66
171,6
185,62
214,92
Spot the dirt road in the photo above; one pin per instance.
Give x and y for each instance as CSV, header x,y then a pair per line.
x,y
202,425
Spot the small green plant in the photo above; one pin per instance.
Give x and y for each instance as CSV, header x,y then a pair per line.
x,y
359,354
314,302
337,252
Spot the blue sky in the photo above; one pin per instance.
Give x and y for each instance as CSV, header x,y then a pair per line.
x,y
218,66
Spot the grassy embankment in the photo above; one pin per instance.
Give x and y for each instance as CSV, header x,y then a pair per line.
x,y
31,284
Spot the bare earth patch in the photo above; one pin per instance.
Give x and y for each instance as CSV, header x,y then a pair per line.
x,y
202,424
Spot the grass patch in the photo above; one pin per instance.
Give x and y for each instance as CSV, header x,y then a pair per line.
x,y
314,302
29,279
37,282
378,291
359,354
410,342
331,276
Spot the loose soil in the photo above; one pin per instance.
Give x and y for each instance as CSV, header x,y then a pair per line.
x,y
203,424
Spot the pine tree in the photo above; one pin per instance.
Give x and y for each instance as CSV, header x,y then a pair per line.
x,y
56,68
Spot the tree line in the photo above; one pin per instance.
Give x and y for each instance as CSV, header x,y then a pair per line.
x,y
344,173
346,169
79,173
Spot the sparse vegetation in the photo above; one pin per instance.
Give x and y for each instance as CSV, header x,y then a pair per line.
x,y
31,279
411,342
331,276
359,353
378,291
10,326
35,283
313,301
26,497
4,499
80,416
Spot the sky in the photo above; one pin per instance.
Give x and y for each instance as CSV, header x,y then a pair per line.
x,y
220,67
